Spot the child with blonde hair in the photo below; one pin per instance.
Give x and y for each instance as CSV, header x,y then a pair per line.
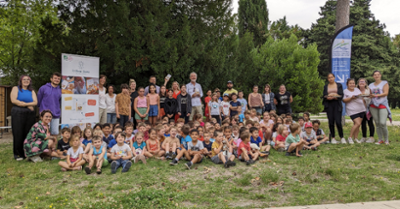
x,y
74,156
138,148
97,155
153,145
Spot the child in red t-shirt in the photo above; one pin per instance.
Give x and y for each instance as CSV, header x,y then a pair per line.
x,y
282,132
244,152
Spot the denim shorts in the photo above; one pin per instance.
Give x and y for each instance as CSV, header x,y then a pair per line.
x,y
54,126
153,111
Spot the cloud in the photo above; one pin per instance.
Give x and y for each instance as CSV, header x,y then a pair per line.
x,y
305,12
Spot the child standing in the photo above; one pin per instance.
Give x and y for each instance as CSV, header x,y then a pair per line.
x,y
123,105
225,107
235,106
184,104
217,155
141,106
120,154
163,96
215,108
153,145
154,100
97,155
195,149
243,102
171,144
207,100
170,106
74,156
244,152
293,143
139,148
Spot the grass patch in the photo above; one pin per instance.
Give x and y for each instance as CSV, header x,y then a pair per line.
x,y
333,174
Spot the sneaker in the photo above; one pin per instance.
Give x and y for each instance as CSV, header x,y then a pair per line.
x,y
168,156
387,143
36,159
226,165
114,167
333,141
127,166
252,161
343,141
358,141
287,154
55,158
231,163
370,140
174,162
173,155
281,149
88,170
327,142
350,140
248,162
363,140
188,165
19,159
380,142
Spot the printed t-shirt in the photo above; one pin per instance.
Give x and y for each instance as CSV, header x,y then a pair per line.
x,y
308,137
62,146
76,154
214,106
283,100
121,151
184,103
139,148
195,147
225,108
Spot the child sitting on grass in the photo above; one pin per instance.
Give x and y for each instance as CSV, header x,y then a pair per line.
x,y
63,144
97,155
282,133
321,137
139,148
195,149
153,145
207,143
128,130
256,139
293,142
87,135
306,117
182,150
171,144
121,154
301,123
107,133
217,154
310,137
244,151
74,156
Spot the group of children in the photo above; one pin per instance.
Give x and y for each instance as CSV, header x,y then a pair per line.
x,y
246,137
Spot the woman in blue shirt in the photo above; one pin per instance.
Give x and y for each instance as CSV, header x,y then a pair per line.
x,y
22,114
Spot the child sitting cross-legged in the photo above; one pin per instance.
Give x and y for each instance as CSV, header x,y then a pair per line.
x,y
244,152
293,142
171,144
153,145
62,144
195,149
207,143
282,133
139,148
74,156
310,137
182,150
321,137
218,155
97,155
256,139
121,154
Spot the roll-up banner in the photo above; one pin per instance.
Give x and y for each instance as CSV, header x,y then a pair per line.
x,y
340,56
80,90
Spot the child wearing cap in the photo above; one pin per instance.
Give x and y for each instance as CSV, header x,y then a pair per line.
x,y
310,137
235,105
225,107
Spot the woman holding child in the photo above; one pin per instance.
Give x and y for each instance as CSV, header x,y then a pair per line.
x,y
39,140
333,95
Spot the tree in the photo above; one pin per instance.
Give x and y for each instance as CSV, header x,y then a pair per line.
x,y
281,29
253,18
286,62
342,14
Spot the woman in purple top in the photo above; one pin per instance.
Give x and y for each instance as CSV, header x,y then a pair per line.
x,y
22,114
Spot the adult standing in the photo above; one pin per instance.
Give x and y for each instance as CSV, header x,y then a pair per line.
x,y
196,93
110,103
123,105
363,86
282,101
49,98
230,89
22,114
379,107
153,80
102,100
268,99
355,108
333,95
37,140
255,100
177,91
133,94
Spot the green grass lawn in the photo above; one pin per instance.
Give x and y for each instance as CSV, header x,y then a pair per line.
x,y
333,174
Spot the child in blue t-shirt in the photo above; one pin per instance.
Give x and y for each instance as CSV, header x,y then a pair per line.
x,y
256,139
235,105
207,143
184,139
139,148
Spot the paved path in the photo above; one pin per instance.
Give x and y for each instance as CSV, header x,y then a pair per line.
x,y
366,205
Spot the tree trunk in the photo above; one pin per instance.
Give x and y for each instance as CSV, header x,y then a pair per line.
x,y
342,14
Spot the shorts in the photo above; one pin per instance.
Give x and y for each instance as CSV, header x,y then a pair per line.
x,y
54,126
72,160
142,111
153,111
242,159
272,144
287,149
216,159
162,112
358,115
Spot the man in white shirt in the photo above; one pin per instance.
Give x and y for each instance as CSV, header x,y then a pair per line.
x,y
196,92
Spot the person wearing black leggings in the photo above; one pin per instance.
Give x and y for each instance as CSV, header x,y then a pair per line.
x,y
333,95
363,86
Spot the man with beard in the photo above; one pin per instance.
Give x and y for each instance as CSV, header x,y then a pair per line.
x,y
152,80
230,89
49,98
196,92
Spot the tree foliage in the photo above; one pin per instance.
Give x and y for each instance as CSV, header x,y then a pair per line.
x,y
286,62
281,29
253,18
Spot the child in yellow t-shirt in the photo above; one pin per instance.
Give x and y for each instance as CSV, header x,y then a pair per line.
x,y
218,156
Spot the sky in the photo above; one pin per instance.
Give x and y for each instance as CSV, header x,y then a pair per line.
x,y
305,12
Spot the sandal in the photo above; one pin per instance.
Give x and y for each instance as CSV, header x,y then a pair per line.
x,y
98,171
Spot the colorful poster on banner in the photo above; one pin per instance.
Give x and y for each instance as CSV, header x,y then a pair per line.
x,y
80,89
341,56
